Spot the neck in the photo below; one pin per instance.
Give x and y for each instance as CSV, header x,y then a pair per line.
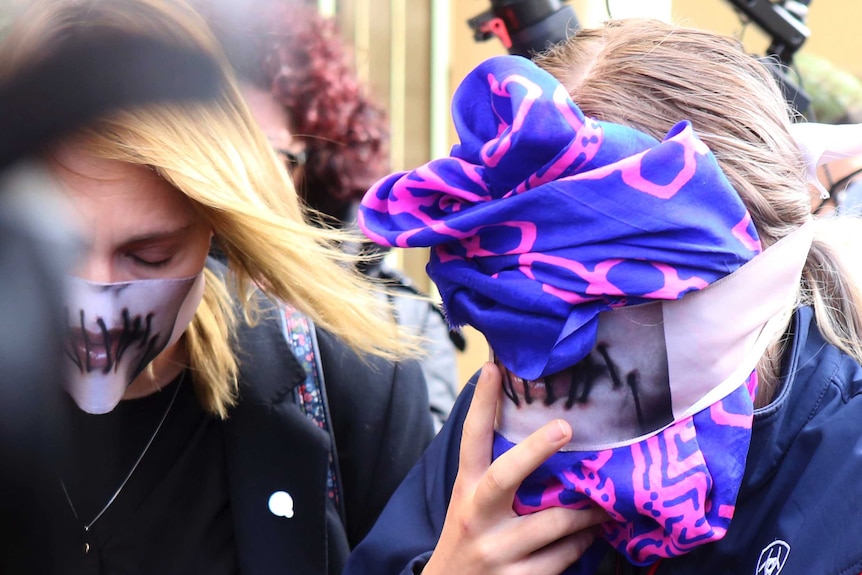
x,y
163,370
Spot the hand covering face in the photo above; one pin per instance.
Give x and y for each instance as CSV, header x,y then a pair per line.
x,y
545,228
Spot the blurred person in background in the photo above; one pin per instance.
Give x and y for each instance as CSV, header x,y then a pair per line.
x,y
836,98
298,78
183,447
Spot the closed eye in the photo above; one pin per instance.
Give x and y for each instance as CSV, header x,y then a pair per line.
x,y
150,262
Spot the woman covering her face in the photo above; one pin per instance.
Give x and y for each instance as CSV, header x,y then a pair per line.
x,y
184,449
676,341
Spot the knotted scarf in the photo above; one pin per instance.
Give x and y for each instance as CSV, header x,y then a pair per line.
x,y
541,222
541,218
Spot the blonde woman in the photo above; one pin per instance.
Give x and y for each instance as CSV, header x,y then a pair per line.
x,y
676,384
297,76
184,447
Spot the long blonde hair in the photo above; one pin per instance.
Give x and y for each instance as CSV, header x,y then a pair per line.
x,y
649,75
213,152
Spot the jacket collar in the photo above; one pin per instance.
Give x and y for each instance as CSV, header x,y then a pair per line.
x,y
272,447
807,374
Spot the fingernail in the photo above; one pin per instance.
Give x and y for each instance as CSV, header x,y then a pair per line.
x,y
558,431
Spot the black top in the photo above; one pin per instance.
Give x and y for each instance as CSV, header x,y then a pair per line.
x,y
382,423
145,530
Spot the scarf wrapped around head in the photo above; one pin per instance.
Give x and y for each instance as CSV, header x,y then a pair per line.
x,y
546,229
543,218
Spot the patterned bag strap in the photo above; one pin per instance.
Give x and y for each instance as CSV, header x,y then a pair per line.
x,y
310,395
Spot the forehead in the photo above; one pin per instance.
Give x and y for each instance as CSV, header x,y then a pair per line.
x,y
269,114
101,189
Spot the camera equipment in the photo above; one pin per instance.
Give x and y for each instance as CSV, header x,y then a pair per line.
x,y
525,27
784,22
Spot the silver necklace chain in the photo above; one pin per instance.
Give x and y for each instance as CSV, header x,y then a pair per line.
x,y
129,474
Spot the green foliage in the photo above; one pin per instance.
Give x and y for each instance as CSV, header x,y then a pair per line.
x,y
836,95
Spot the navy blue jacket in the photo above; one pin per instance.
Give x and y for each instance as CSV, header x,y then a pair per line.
x,y
799,509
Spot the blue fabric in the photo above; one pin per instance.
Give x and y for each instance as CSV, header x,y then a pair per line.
x,y
541,218
801,481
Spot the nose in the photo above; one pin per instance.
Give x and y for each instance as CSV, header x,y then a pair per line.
x,y
96,269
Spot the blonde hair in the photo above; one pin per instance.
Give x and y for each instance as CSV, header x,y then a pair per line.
x,y
213,153
649,75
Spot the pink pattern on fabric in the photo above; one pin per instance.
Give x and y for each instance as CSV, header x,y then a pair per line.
x,y
583,148
723,417
493,151
630,168
726,511
752,385
369,233
674,473
662,497
473,246
740,231
593,482
405,200
597,278
662,474
551,497
674,286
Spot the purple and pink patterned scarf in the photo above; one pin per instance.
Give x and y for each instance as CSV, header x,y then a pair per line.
x,y
542,218
541,222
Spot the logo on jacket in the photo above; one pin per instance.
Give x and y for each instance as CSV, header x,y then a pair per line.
x,y
773,558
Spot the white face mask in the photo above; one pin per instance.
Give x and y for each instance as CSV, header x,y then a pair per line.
x,y
116,329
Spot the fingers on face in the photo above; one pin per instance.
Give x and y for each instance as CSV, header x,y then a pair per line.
x,y
508,471
560,554
544,542
548,541
548,525
538,531
478,433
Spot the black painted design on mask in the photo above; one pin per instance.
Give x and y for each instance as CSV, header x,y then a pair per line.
x,y
508,387
135,332
632,380
581,381
582,377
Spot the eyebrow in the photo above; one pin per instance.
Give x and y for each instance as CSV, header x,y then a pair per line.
x,y
158,235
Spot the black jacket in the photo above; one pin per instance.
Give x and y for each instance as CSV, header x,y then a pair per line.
x,y
381,421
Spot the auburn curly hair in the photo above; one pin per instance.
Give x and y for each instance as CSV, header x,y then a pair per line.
x,y
300,56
